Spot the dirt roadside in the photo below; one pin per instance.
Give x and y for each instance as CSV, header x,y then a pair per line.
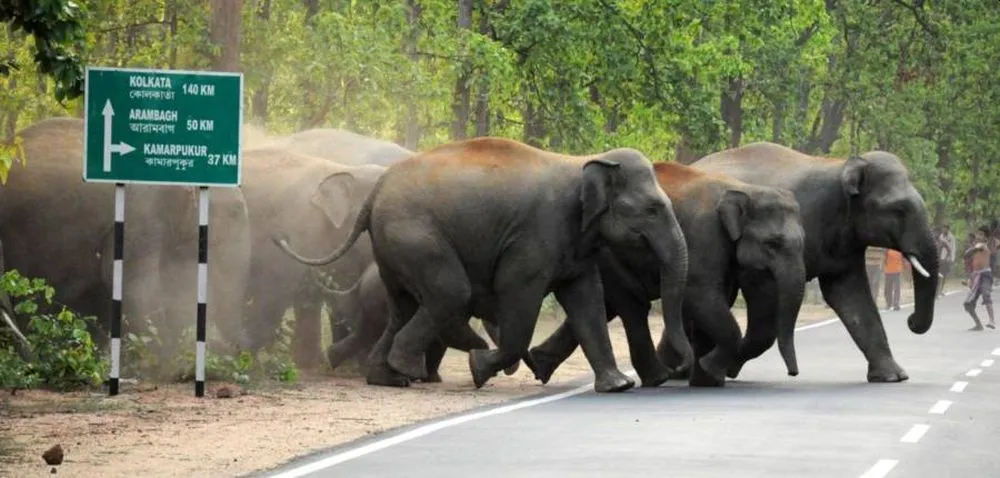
x,y
165,431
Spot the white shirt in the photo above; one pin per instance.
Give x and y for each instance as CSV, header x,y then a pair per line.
x,y
947,253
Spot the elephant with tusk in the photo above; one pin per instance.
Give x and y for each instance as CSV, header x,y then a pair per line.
x,y
847,205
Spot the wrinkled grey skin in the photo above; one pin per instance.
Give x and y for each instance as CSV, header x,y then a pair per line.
x,y
59,228
490,226
846,205
312,200
366,305
343,148
21,343
731,228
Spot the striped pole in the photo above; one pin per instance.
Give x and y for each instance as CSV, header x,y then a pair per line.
x,y
116,289
199,372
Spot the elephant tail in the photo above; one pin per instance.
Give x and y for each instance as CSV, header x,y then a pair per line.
x,y
339,294
361,224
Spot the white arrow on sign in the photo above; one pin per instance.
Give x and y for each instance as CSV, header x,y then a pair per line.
x,y
121,148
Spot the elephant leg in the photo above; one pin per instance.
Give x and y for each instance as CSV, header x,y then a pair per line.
x,y
307,307
762,326
516,313
703,345
583,301
716,325
433,357
401,307
494,334
850,298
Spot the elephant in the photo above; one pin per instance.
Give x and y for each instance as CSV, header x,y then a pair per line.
x,y
345,149
59,228
366,305
733,230
847,204
311,199
488,227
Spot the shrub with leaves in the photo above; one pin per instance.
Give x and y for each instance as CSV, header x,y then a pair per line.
x,y
66,356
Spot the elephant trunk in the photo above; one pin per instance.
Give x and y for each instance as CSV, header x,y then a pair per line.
x,y
671,249
922,254
790,277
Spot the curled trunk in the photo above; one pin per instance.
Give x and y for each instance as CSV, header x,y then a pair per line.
x,y
923,249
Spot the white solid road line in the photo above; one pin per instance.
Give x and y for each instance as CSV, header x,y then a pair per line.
x,y
974,372
959,386
915,434
986,363
940,407
882,468
996,351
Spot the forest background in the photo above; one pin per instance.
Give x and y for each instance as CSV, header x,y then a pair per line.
x,y
676,79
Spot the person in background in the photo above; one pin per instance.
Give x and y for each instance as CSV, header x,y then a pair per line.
x,y
981,280
946,256
970,241
873,265
893,272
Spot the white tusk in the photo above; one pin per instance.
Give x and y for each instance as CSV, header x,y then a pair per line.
x,y
919,267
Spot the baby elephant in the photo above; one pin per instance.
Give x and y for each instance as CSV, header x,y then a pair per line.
x,y
365,306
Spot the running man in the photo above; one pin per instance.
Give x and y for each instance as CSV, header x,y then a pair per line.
x,y
981,280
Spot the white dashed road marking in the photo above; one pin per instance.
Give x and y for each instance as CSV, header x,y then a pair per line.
x,y
915,434
974,372
959,387
940,407
986,363
996,351
882,468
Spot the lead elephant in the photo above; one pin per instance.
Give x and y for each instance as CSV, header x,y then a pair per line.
x,y
59,228
489,226
365,305
732,229
847,205
344,149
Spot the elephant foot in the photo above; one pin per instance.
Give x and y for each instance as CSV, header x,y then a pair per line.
x,y
335,357
412,366
512,369
432,378
886,370
384,377
700,378
734,370
710,365
480,367
541,364
654,376
680,374
613,381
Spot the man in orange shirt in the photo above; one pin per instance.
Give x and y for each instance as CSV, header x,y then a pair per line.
x,y
981,281
893,271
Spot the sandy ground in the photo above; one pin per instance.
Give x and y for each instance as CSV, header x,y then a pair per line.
x,y
165,431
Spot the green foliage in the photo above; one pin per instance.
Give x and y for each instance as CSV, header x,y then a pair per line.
x,y
823,76
65,356
57,27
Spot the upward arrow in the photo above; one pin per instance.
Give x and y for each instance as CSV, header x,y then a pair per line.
x,y
108,113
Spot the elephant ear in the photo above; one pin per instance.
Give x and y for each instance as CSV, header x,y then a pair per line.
x,y
595,191
734,209
333,197
852,175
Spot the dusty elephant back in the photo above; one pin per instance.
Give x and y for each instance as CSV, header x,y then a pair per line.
x,y
343,147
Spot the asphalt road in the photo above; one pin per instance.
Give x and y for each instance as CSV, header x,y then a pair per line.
x,y
827,422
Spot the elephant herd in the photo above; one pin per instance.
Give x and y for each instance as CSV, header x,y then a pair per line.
x,y
420,242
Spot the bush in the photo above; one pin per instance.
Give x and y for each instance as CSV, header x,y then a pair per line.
x,y
65,355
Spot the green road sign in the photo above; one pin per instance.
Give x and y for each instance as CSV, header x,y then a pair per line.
x,y
171,127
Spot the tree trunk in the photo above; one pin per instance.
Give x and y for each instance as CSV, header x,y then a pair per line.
x,y
944,179
227,21
411,121
684,154
731,107
777,120
534,126
460,98
259,101
483,85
